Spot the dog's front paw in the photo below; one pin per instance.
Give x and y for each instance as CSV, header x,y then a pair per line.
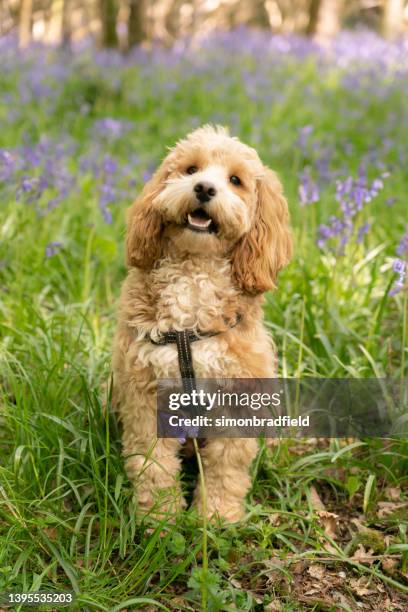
x,y
224,510
159,505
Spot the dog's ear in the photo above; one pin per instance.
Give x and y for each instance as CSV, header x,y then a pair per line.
x,y
144,224
267,246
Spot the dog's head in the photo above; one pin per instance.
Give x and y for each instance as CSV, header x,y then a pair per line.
x,y
212,195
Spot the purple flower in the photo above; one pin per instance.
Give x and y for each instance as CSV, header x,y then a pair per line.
x,y
5,157
308,190
28,184
52,248
109,165
7,165
107,215
402,248
362,231
399,267
147,175
352,194
304,133
111,128
108,194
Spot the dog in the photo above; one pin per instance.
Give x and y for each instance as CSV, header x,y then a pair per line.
x,y
205,239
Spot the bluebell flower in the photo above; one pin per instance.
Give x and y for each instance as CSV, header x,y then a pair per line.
x,y
107,215
28,184
111,129
109,164
147,175
362,231
352,194
308,189
399,267
52,248
304,133
402,248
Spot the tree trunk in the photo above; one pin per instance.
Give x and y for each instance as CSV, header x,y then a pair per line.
x,y
259,15
108,13
66,24
24,30
172,20
136,22
329,19
393,16
314,7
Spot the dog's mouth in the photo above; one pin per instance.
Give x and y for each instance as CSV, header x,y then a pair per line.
x,y
200,221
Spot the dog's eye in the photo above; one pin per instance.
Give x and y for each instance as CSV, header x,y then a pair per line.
x,y
235,180
192,169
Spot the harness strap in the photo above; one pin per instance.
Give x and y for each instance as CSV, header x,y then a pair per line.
x,y
185,360
183,340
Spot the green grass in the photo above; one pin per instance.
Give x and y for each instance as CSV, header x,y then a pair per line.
x,y
67,517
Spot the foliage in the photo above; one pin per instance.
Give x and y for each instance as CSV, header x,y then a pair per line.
x,y
80,133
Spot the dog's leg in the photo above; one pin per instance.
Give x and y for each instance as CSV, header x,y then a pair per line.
x,y
226,463
152,465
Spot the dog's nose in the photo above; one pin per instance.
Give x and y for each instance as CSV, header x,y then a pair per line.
x,y
204,191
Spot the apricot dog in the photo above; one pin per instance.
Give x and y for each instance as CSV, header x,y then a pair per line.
x,y
205,239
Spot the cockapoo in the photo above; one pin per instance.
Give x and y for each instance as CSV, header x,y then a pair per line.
x,y
205,239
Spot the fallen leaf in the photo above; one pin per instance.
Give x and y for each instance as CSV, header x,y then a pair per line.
x,y
316,571
330,523
368,538
389,564
274,518
312,591
298,567
329,548
360,586
51,533
315,500
393,493
362,555
340,598
274,606
387,508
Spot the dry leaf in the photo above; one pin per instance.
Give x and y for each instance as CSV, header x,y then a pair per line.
x,y
298,567
340,598
316,571
329,548
315,500
274,518
362,555
312,591
393,493
389,564
329,521
51,533
360,526
360,586
274,606
387,508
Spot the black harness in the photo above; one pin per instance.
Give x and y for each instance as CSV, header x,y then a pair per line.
x,y
183,340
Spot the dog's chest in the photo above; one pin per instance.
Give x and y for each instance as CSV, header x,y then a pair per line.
x,y
189,296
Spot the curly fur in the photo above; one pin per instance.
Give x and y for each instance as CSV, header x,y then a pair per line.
x,y
180,279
